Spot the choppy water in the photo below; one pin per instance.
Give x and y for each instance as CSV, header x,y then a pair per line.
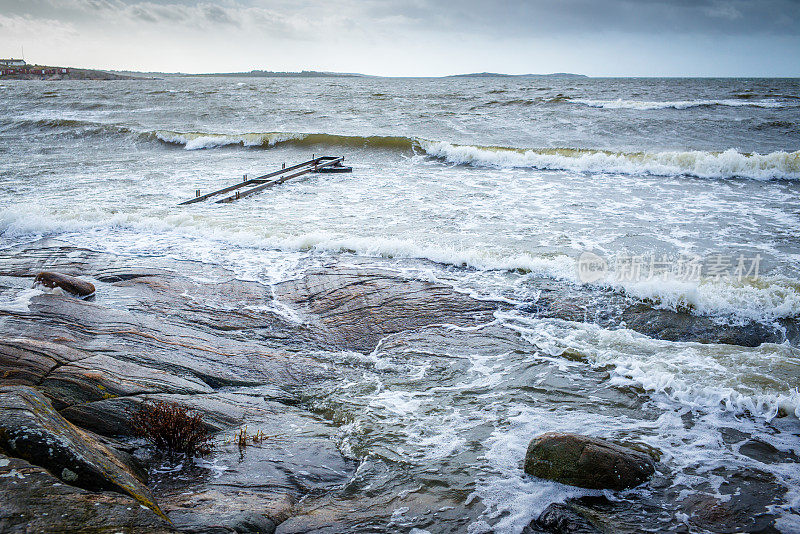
x,y
484,184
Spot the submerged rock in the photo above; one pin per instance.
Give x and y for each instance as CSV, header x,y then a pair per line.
x,y
586,462
561,518
560,300
70,284
681,326
32,430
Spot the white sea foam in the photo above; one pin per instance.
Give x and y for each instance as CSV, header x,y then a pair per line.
x,y
643,105
760,381
21,301
689,454
199,141
769,300
727,164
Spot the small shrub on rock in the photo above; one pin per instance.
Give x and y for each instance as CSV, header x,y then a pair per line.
x,y
171,428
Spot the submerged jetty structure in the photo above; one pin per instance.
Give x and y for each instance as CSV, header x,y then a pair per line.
x,y
320,164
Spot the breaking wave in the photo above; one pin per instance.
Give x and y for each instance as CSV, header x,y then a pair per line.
x,y
198,140
728,164
643,105
770,300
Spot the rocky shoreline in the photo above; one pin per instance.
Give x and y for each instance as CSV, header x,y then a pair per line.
x,y
37,72
72,370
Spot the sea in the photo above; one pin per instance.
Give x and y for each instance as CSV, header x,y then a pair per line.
x,y
683,194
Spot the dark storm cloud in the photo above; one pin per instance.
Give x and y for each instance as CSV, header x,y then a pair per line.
x,y
712,17
218,15
503,17
620,37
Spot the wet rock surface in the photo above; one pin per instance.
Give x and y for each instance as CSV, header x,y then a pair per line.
x,y
32,430
159,334
191,333
587,462
239,523
357,308
33,500
563,301
562,518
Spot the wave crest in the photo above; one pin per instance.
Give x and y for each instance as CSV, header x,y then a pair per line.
x,y
642,105
728,164
198,140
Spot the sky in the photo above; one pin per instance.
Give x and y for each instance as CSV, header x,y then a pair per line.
x,y
411,37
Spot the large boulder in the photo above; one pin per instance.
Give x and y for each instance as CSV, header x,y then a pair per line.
x,y
587,462
30,429
69,284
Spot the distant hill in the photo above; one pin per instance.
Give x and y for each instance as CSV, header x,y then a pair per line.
x,y
56,73
275,74
499,75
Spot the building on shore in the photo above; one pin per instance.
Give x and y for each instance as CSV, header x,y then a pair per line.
x,y
19,68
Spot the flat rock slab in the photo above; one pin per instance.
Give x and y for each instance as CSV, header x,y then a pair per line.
x,y
356,308
245,522
587,462
103,377
32,430
297,456
27,361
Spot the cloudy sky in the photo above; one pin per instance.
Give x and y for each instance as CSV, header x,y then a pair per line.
x,y
412,37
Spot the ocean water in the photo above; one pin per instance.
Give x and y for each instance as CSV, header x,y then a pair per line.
x,y
485,184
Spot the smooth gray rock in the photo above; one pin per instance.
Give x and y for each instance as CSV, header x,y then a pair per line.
x,y
355,309
103,377
27,361
206,523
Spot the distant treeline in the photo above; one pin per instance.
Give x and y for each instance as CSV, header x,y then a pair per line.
x,y
498,75
274,74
